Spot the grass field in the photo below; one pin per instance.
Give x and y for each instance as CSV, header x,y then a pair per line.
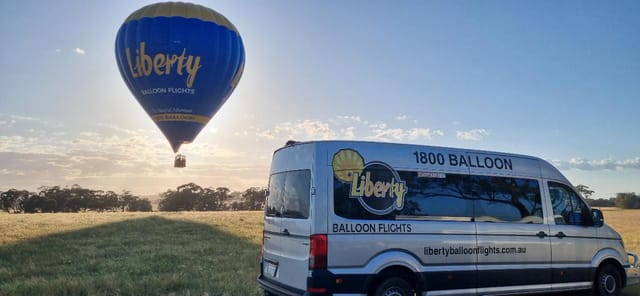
x,y
187,253
191,253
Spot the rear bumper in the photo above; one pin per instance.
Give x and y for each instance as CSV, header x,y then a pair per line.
x,y
633,272
320,282
277,288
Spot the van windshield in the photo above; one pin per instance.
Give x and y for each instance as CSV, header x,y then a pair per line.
x,y
289,195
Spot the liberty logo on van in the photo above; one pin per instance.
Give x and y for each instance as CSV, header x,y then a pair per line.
x,y
375,184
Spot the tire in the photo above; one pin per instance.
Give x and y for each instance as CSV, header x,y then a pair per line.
x,y
394,286
608,282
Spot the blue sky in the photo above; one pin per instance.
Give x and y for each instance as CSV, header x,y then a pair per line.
x,y
555,79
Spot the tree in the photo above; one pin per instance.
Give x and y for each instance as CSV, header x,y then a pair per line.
x,y
11,201
61,196
584,190
107,201
237,206
628,200
140,205
81,199
39,204
183,199
212,200
254,198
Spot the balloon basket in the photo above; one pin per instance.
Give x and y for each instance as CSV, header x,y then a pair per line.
x,y
180,161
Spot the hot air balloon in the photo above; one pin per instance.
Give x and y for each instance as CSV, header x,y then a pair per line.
x,y
181,61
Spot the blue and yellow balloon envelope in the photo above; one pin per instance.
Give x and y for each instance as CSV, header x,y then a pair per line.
x,y
181,61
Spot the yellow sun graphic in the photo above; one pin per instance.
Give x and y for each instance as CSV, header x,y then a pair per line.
x,y
345,163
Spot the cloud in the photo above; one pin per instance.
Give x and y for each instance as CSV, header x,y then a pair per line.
x,y
381,133
583,164
349,127
266,134
423,133
113,171
109,157
79,51
306,130
472,135
348,133
401,117
301,130
349,119
25,122
204,149
7,123
386,134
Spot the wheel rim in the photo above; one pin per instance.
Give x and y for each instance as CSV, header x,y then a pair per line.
x,y
609,283
393,291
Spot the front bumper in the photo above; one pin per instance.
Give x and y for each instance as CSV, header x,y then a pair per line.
x,y
633,271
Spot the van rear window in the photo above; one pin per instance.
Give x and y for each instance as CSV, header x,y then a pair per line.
x,y
289,195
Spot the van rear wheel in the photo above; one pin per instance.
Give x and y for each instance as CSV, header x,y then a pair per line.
x,y
394,286
608,282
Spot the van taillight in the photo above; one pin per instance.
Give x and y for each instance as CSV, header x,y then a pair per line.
x,y
318,252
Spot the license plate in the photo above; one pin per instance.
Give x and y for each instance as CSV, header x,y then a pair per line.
x,y
269,268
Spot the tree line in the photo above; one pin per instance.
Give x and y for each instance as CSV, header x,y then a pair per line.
x,y
192,197
623,200
187,197
71,199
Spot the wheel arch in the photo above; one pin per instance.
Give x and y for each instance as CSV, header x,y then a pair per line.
x,y
615,263
395,263
396,271
609,256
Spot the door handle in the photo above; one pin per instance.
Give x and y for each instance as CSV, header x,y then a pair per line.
x,y
285,231
541,234
561,235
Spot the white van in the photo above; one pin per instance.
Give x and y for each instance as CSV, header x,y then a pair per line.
x,y
363,218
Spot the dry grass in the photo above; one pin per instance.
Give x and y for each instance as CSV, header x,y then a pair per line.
x,y
185,253
627,223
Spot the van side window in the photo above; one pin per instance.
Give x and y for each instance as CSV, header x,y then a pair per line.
x,y
502,199
568,208
441,196
455,197
289,195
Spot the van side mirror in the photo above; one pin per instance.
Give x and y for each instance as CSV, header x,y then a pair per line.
x,y
598,217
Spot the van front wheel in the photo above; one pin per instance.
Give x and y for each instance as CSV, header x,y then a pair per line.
x,y
394,286
608,282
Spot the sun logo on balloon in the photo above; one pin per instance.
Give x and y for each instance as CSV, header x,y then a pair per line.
x,y
346,162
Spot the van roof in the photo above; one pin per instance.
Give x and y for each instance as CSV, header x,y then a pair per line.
x,y
460,159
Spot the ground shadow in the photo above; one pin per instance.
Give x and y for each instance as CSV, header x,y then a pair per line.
x,y
148,256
